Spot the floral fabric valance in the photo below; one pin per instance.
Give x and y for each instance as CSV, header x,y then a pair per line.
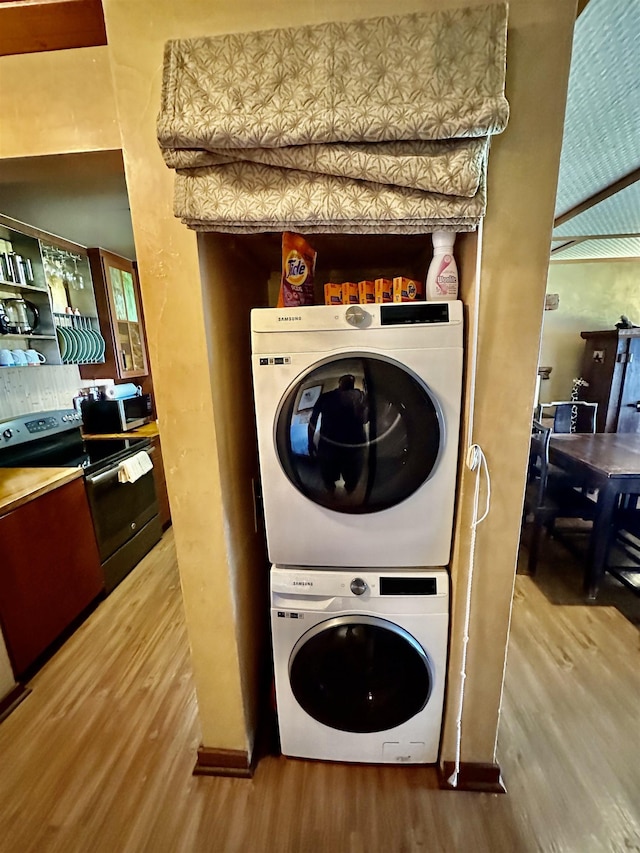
x,y
372,126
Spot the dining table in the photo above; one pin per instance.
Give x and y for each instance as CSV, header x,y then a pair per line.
x,y
609,463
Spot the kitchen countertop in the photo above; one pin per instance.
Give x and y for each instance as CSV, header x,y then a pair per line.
x,y
147,431
18,486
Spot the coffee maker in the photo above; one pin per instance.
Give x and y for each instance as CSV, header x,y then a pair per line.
x,y
4,322
21,317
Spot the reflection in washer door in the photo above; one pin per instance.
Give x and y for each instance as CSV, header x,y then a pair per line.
x,y
360,674
358,434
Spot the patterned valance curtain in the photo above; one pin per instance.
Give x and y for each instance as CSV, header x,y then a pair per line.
x,y
371,126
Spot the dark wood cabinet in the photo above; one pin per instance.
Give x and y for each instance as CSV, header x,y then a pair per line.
x,y
611,366
49,573
50,25
117,293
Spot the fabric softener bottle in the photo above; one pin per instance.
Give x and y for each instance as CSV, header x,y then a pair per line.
x,y
442,277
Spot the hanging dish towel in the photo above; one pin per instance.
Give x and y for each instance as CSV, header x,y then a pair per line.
x,y
370,126
134,467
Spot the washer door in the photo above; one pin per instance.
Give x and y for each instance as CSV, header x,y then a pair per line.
x,y
358,434
360,674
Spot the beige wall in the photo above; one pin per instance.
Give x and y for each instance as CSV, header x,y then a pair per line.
x,y
233,283
58,102
513,266
183,347
593,295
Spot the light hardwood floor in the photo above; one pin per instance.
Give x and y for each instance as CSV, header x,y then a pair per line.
x,y
99,757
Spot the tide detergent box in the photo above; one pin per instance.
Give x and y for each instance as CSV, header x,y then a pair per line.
x,y
366,292
333,294
407,290
298,270
349,293
383,290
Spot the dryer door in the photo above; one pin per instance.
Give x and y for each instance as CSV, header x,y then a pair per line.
x,y
360,674
358,434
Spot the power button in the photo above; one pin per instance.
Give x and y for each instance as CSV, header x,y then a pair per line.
x,y
356,316
358,586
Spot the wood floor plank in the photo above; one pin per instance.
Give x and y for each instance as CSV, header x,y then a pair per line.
x,y
100,756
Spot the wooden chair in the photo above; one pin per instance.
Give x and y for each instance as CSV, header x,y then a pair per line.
x,y
563,412
548,498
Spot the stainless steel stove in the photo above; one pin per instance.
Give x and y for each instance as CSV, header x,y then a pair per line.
x,y
125,515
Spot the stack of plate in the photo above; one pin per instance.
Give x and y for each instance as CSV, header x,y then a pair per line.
x,y
80,345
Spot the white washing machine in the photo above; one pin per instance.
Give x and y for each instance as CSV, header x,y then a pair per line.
x,y
360,663
358,416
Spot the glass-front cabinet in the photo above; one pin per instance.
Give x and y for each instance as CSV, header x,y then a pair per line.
x,y
117,293
73,302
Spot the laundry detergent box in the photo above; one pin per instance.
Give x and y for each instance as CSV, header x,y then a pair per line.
x,y
383,290
349,293
298,270
407,290
332,294
366,292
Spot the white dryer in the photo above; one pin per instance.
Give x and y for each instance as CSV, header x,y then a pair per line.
x,y
360,663
358,416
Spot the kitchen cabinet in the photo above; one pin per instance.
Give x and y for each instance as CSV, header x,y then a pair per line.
x,y
53,277
22,276
50,571
611,366
117,293
73,303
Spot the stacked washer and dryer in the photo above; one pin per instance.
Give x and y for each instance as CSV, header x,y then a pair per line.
x,y
358,415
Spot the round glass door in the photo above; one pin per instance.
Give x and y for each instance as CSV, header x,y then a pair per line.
x,y
358,434
360,674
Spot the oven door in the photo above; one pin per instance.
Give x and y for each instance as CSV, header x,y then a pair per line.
x,y
119,510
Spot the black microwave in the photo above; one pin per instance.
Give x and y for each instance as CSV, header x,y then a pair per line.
x,y
114,416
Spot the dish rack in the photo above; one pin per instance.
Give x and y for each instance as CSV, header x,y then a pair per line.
x,y
79,339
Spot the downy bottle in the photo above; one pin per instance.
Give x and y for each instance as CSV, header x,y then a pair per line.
x,y
442,277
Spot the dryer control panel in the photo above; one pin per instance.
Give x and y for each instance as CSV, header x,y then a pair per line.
x,y
408,585
410,314
345,319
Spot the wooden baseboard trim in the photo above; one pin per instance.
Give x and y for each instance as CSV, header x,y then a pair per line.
x,y
223,762
472,776
12,700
